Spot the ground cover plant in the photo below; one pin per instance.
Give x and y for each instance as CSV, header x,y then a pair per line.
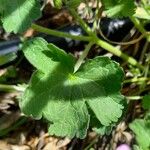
x,y
76,95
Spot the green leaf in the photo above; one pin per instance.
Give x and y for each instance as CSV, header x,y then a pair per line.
x,y
141,128
64,98
146,101
119,8
17,15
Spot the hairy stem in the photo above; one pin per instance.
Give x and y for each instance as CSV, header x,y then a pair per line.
x,y
104,44
118,53
94,39
140,27
134,98
59,33
9,88
82,23
82,56
142,79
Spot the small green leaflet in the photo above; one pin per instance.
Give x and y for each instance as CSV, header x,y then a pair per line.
x,y
141,128
63,97
119,8
17,15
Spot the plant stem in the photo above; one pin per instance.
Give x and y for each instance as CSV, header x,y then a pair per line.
x,y
145,47
82,23
11,88
136,80
82,56
59,33
134,97
104,44
118,53
140,27
93,39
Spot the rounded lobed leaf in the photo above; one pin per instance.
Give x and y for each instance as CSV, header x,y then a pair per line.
x,y
64,98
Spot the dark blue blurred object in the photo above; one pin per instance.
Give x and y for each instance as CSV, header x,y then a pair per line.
x,y
9,46
115,29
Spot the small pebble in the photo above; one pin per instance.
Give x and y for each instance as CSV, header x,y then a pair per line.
x,y
123,147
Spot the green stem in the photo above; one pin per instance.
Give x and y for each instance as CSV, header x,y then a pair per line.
x,y
93,39
145,47
82,56
136,80
104,44
134,97
59,33
82,23
118,53
11,88
140,27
